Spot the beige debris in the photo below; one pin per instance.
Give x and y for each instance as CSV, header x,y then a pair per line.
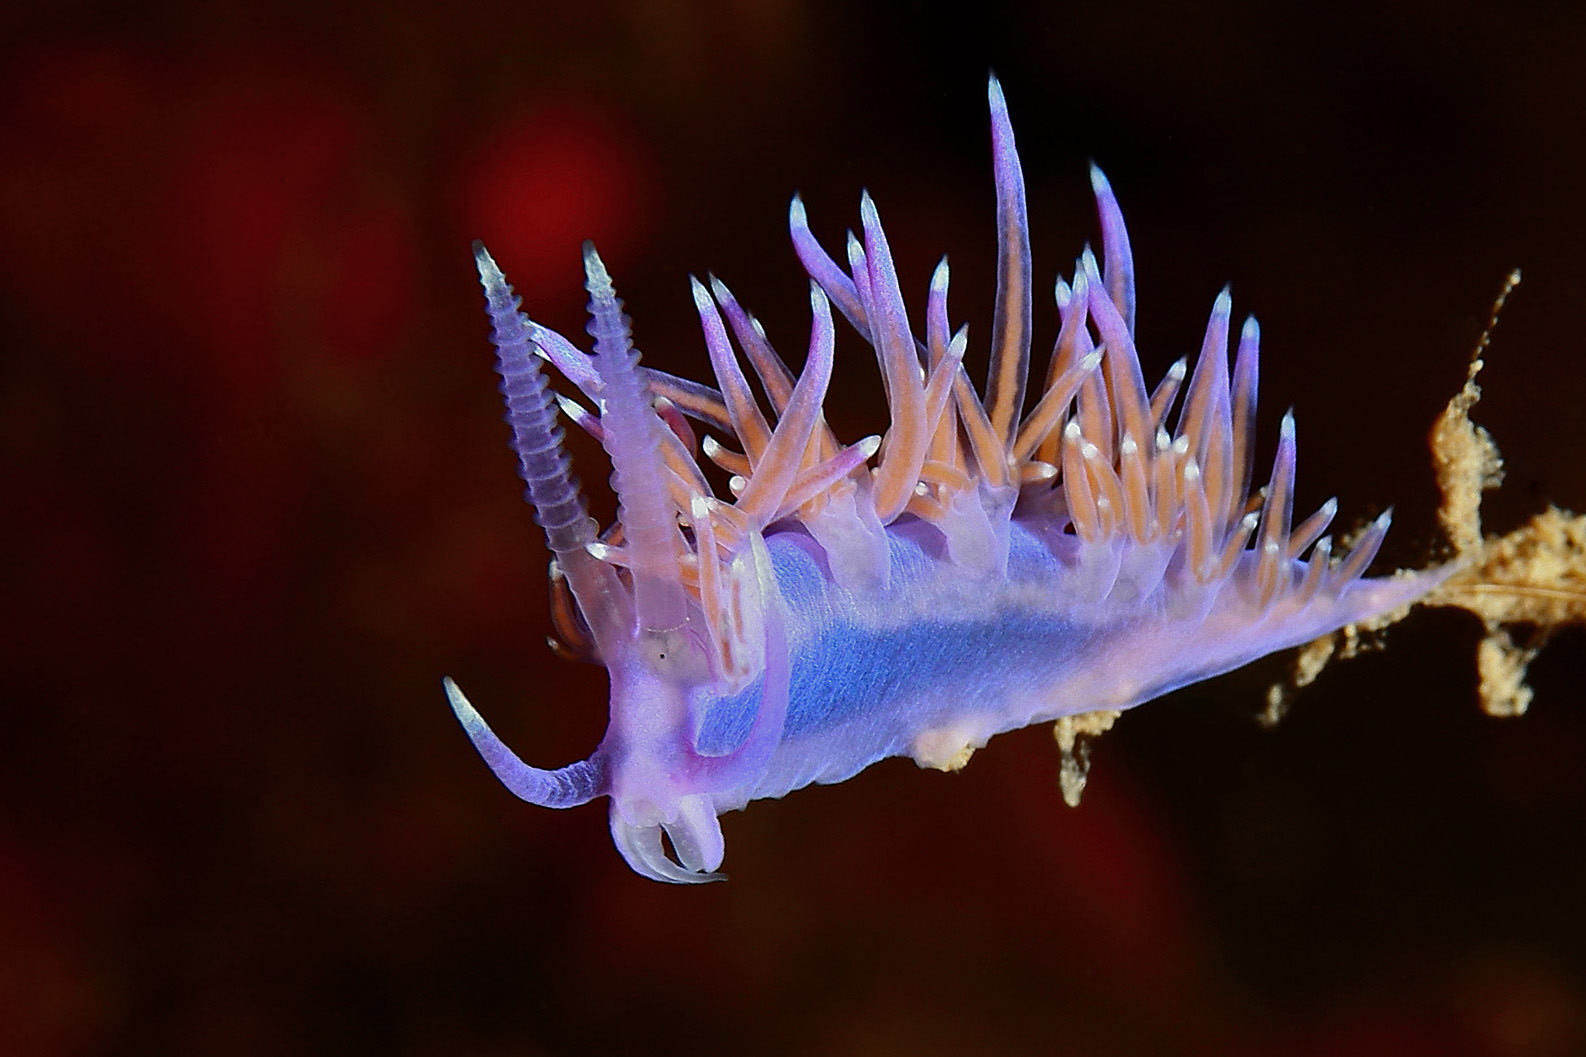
x,y
1073,734
1533,578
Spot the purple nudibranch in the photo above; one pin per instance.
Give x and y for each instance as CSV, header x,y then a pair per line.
x,y
977,569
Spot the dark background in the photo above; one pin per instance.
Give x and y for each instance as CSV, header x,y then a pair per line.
x,y
257,502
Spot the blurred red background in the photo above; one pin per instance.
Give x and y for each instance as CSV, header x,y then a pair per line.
x,y
258,503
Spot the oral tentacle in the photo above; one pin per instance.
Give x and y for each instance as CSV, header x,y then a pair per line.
x,y
570,786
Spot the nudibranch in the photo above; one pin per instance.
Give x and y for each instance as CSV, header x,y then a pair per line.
x,y
989,562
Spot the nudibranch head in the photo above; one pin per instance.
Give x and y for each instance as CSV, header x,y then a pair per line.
x,y
1004,561
669,653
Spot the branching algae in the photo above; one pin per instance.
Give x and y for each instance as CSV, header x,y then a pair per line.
x,y
1523,586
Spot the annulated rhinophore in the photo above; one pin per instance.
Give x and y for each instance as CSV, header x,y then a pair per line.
x,y
976,569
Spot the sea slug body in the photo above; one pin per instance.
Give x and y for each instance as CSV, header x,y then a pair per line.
x,y
979,568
